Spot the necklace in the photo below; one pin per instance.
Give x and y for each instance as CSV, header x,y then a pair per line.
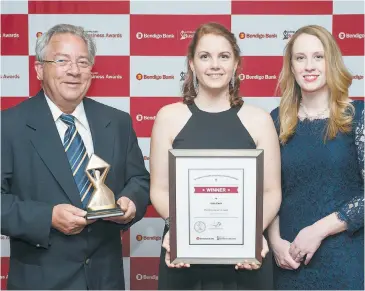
x,y
303,113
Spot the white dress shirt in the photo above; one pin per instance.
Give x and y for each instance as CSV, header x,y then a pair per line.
x,y
81,123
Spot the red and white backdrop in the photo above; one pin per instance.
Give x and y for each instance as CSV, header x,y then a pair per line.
x,y
140,66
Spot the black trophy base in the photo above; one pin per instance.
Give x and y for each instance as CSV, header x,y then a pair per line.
x,y
96,214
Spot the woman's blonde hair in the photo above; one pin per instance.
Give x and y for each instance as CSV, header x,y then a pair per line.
x,y
338,81
188,90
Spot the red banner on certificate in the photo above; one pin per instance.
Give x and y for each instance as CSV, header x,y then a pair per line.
x,y
215,189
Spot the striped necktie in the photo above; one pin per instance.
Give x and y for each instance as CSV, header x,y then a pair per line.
x,y
77,157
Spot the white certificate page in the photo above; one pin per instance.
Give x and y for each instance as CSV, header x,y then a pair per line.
x,y
216,206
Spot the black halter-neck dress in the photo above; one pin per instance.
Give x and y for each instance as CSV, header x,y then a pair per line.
x,y
221,130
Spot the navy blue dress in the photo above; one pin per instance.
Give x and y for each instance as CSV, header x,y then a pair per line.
x,y
318,179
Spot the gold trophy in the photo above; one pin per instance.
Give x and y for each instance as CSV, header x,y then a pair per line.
x,y
102,201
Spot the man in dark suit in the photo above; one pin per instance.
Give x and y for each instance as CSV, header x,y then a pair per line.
x,y
46,144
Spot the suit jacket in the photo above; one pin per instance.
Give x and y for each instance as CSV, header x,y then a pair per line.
x,y
36,176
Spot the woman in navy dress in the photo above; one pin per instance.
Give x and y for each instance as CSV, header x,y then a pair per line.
x,y
318,236
213,116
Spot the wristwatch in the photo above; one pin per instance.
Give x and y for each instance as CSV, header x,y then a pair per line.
x,y
167,222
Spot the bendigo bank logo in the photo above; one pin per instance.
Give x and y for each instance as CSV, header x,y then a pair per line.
x,y
140,237
140,117
140,277
140,77
343,35
256,77
39,34
140,35
243,35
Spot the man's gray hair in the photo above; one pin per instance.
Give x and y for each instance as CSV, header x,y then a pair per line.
x,y
44,39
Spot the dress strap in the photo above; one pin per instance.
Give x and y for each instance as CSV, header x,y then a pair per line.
x,y
237,108
193,108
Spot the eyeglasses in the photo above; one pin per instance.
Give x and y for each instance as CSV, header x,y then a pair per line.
x,y
66,64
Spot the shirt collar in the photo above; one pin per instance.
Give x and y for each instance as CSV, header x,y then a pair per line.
x,y
79,112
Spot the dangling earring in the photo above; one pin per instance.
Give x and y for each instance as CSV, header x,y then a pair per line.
x,y
195,83
233,80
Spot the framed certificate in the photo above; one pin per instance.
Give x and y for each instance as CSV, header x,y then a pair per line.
x,y
215,205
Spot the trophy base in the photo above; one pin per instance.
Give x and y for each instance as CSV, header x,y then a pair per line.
x,y
96,214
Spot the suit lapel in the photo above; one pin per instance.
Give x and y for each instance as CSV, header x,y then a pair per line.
x,y
101,130
46,141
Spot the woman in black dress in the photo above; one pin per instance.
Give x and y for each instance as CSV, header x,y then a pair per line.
x,y
213,116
